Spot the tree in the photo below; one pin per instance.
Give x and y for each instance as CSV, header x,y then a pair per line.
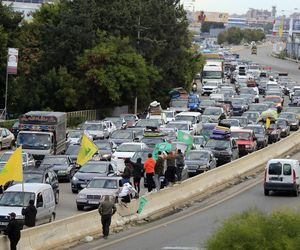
x,y
113,74
254,229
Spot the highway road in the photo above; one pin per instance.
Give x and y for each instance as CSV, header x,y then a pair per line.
x,y
189,229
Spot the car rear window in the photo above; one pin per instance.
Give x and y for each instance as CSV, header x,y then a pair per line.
x,y
275,168
287,169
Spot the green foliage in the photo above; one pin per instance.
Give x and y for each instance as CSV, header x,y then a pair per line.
x,y
7,124
74,121
253,229
236,36
87,54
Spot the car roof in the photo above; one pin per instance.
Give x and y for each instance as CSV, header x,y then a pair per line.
x,y
188,114
107,178
282,160
29,187
201,150
242,130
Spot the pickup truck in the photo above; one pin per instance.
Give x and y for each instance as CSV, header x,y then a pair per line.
x,y
245,139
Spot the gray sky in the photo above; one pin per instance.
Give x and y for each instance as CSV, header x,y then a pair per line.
x,y
241,6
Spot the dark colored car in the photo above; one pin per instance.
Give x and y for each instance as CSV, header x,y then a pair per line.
x,y
273,132
258,107
239,106
260,134
199,161
62,165
151,141
292,119
105,149
90,170
224,150
283,124
205,104
252,116
72,151
120,136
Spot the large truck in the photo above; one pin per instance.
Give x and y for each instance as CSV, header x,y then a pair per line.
x,y
42,133
212,77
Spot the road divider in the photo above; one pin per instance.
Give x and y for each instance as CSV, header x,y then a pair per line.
x,y
167,200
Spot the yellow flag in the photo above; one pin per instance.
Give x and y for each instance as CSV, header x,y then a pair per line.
x,y
13,169
268,122
86,151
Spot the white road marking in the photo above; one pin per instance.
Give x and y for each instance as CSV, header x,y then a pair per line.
x,y
181,248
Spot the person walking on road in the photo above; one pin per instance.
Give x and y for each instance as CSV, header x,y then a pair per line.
x,y
179,164
158,170
171,168
106,209
149,166
13,231
30,214
137,174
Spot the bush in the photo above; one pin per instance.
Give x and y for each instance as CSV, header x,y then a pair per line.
x,y
8,123
74,121
256,230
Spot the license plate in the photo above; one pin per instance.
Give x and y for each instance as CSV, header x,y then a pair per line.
x,y
3,223
193,171
93,202
275,178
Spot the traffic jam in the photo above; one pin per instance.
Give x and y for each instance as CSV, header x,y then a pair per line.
x,y
235,107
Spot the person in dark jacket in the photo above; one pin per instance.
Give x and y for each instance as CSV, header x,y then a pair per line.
x,y
171,168
158,170
179,164
127,171
13,231
30,214
137,173
106,209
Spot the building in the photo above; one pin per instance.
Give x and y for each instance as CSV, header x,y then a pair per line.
x,y
27,7
237,23
260,17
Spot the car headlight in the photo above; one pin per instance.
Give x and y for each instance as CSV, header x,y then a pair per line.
x,y
248,146
74,178
106,156
81,196
202,166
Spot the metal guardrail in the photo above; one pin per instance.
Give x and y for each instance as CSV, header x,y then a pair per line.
x,y
87,114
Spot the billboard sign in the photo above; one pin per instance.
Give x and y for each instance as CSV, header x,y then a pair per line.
x,y
214,17
12,61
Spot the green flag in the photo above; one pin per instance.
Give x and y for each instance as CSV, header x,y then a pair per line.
x,y
142,202
164,146
186,138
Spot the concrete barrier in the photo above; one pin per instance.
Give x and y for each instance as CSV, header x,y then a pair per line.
x,y
76,227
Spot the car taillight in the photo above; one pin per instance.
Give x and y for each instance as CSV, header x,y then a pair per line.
x,y
294,176
265,177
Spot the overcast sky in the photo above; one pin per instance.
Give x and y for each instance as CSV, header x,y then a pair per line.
x,y
241,6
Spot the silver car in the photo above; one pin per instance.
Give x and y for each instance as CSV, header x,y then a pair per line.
x,y
96,189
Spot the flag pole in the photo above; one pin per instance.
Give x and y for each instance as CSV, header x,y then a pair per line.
x,y
23,190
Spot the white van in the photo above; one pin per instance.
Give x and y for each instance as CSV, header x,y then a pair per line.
x,y
194,118
282,175
14,199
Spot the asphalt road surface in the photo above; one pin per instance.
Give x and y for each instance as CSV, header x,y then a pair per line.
x,y
192,230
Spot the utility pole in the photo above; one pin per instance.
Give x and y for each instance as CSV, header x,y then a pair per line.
x,y
138,49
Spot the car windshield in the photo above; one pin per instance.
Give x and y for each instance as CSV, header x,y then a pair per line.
x,y
34,141
237,101
94,168
73,150
148,123
241,135
212,75
75,134
128,118
140,154
207,103
103,183
209,111
152,140
222,144
198,140
251,115
179,126
247,91
6,156
287,116
33,177
199,155
259,108
92,126
282,123
178,104
191,119
55,161
102,145
273,99
121,134
16,199
169,114
257,130
231,122
129,148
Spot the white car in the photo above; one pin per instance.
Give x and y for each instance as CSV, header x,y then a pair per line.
x,y
127,149
27,159
194,118
185,126
170,115
96,129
